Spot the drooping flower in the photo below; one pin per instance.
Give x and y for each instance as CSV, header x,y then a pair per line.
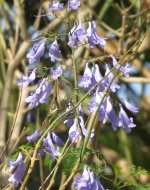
x,y
75,134
37,52
13,164
96,99
54,52
56,6
105,111
85,80
73,4
26,80
114,85
56,72
124,69
17,176
87,181
34,136
57,140
125,122
50,148
76,35
93,37
41,94
97,77
130,107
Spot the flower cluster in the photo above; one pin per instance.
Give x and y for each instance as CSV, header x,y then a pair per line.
x,y
102,85
79,34
57,6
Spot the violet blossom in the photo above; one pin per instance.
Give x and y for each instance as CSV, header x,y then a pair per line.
x,y
76,35
73,4
87,181
86,80
125,122
50,148
124,69
93,37
76,132
34,136
114,86
54,52
130,107
26,80
41,95
37,52
56,72
56,6
18,174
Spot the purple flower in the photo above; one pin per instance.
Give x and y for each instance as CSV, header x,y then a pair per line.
x,y
16,178
85,80
41,94
125,121
34,136
50,148
87,181
124,69
76,35
75,133
97,77
57,140
130,107
93,38
26,80
96,99
37,52
73,4
54,51
13,164
56,6
56,72
108,80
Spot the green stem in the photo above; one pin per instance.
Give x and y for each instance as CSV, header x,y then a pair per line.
x,y
52,181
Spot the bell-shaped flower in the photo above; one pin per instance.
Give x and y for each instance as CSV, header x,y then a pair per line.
x,y
124,69
73,4
76,35
13,164
97,77
74,132
94,103
125,122
114,86
18,174
54,52
26,80
130,107
41,94
84,130
34,136
37,52
56,6
93,37
87,181
57,140
86,80
50,148
56,72
77,129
